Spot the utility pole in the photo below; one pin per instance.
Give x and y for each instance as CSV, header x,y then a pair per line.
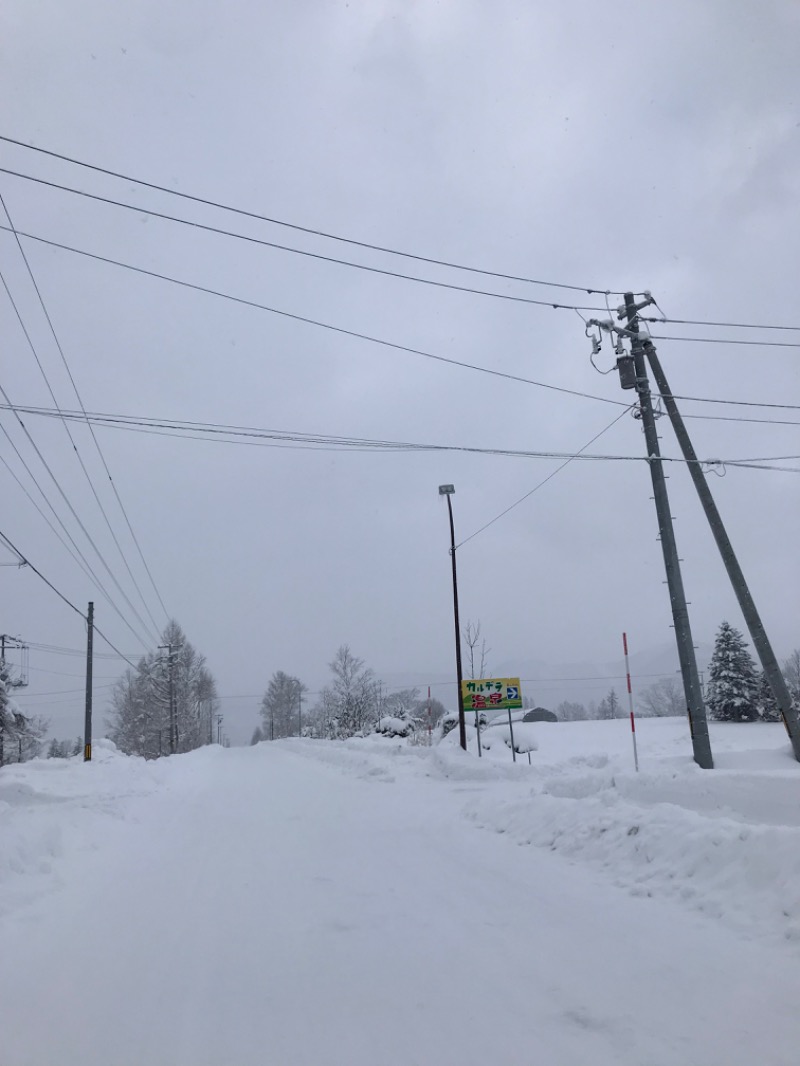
x,y
219,729
680,613
299,709
173,710
87,726
448,490
173,728
775,678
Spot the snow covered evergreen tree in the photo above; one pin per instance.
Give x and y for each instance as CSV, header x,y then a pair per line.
x,y
21,735
732,694
140,700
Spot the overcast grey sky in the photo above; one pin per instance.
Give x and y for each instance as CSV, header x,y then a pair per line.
x,y
650,146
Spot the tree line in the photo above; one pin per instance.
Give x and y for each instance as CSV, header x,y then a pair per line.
x,y
171,686
354,702
737,691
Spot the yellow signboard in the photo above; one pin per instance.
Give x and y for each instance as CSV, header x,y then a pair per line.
x,y
492,693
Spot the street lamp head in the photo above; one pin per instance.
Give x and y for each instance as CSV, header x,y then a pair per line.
x,y
446,490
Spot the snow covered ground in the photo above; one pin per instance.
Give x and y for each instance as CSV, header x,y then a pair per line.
x,y
313,903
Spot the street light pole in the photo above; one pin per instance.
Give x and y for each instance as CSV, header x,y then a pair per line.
x,y
448,490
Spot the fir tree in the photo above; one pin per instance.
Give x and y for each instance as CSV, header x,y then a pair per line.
x,y
609,706
733,687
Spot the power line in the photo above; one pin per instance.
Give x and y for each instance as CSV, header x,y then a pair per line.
x,y
593,289
83,565
56,649
77,454
369,338
58,692
549,477
91,430
74,513
61,596
729,340
313,322
735,403
286,247
268,437
740,418
378,340
727,325
66,673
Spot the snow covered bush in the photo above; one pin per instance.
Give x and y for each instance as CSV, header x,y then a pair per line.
x,y
389,726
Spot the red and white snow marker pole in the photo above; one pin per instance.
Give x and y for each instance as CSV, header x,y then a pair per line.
x,y
630,701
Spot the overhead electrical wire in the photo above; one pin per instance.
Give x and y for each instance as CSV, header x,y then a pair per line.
x,y
57,649
544,481
733,403
139,210
740,418
91,430
724,325
729,340
66,673
590,289
315,322
267,436
370,338
80,561
61,596
60,692
99,584
82,465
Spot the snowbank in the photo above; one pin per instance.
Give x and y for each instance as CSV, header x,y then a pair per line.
x,y
724,842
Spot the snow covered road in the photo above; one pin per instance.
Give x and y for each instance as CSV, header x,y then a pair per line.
x,y
257,906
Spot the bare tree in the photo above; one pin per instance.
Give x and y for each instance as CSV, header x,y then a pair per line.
x,y
472,638
664,699
571,712
352,701
280,706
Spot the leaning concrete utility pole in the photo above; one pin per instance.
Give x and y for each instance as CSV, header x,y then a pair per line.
x,y
776,680
698,724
